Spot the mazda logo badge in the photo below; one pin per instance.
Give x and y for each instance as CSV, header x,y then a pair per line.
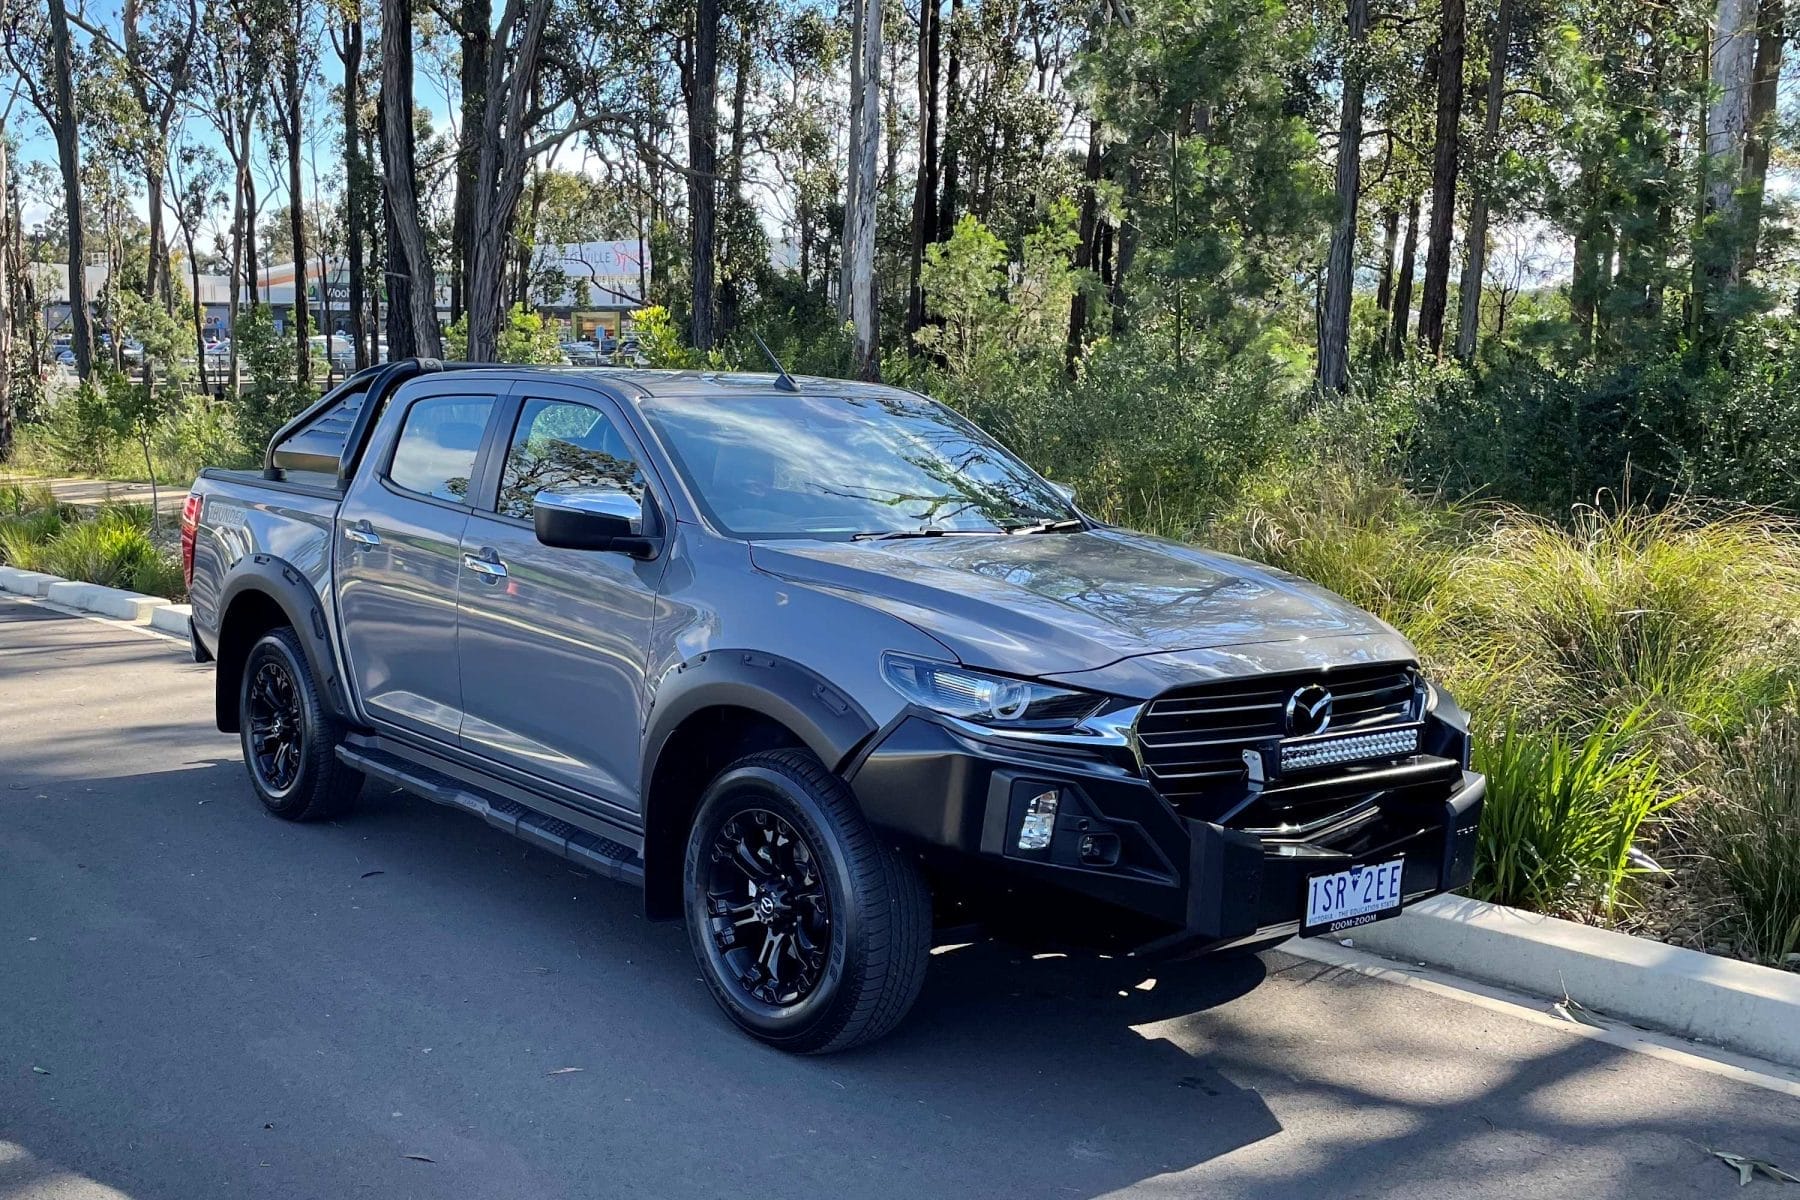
x,y
1308,711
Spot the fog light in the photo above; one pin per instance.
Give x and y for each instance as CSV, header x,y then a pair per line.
x,y
1040,821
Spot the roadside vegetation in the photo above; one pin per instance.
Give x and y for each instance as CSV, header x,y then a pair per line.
x,y
113,544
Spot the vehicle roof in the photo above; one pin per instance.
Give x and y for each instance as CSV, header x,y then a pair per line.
x,y
646,382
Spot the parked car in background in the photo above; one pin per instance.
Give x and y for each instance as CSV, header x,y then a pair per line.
x,y
818,667
581,353
335,348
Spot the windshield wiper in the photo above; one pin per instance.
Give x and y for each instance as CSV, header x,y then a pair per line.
x,y
1048,526
929,531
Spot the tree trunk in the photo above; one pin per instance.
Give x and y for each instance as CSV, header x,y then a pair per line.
x,y
1475,238
476,29
861,250
729,292
703,184
1340,256
68,153
952,116
1733,65
1586,280
237,267
7,275
375,230
199,310
1770,40
1085,233
1128,240
852,177
1390,235
925,182
1436,297
412,326
248,178
355,176
299,311
1403,290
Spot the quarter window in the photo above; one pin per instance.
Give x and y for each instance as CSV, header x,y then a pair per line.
x,y
438,444
559,446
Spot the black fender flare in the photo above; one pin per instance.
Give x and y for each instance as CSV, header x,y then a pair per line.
x,y
830,723
820,715
279,581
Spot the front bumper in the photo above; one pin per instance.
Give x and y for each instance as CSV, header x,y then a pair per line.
x,y
1124,860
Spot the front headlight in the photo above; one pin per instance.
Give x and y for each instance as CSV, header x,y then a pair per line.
x,y
986,699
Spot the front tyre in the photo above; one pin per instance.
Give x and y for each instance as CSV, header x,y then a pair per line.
x,y
289,738
811,932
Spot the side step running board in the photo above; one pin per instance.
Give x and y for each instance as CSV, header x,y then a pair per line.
x,y
598,854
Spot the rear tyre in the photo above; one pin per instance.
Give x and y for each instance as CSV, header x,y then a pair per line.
x,y
289,738
811,932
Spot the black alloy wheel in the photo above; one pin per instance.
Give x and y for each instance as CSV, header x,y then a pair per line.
x,y
811,929
770,914
290,737
277,731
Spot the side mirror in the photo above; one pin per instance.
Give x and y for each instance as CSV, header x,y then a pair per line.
x,y
1065,490
592,521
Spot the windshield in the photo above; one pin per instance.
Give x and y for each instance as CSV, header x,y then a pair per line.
x,y
818,465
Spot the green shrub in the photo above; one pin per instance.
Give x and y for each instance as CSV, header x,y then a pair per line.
x,y
1562,813
23,537
524,337
1746,829
17,499
109,549
1695,611
1360,535
159,576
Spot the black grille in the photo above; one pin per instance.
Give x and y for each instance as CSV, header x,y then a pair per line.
x,y
1192,740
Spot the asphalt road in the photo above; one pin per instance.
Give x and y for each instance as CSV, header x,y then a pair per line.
x,y
198,1000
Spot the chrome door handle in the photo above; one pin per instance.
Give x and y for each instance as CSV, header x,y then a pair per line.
x,y
362,537
490,567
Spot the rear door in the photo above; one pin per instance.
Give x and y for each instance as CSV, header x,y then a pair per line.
x,y
553,643
399,553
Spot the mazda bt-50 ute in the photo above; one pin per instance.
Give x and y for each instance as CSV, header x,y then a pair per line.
x,y
820,668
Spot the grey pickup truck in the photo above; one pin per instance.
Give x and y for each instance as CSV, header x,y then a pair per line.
x,y
820,668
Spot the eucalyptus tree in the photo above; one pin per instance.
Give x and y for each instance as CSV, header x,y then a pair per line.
x,y
344,25
41,52
412,327
197,179
1446,165
296,36
538,94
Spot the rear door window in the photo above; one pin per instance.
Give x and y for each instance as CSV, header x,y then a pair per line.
x,y
438,445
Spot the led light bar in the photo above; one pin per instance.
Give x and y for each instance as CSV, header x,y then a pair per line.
x,y
1359,747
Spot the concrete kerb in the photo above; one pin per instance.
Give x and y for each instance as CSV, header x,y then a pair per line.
x,y
27,583
108,602
1720,1001
135,607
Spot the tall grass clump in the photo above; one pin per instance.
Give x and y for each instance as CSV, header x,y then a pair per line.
x,y
1745,830
112,549
1563,811
18,498
1361,535
1694,611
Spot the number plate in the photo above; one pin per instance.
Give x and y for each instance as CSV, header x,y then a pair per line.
x,y
1340,900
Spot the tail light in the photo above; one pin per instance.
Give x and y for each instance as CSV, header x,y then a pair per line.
x,y
190,523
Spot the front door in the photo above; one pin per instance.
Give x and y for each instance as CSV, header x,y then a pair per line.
x,y
552,642
399,558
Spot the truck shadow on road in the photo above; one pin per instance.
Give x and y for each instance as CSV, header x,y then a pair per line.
x,y
410,960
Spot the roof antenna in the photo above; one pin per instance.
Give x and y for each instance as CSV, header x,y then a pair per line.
x,y
783,380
